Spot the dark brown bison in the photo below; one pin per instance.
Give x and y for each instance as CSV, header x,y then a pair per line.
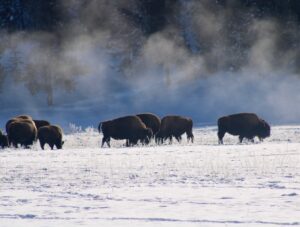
x,y
175,126
22,132
244,125
130,128
41,123
52,135
20,117
151,121
3,141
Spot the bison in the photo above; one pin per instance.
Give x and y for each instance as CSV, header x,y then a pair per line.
x,y
52,135
21,131
20,117
151,121
175,126
41,123
245,125
3,141
130,128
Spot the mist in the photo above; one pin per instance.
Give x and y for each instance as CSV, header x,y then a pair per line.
x,y
205,60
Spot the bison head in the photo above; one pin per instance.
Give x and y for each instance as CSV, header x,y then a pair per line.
x,y
60,144
263,130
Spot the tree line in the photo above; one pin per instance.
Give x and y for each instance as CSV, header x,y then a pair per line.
x,y
56,20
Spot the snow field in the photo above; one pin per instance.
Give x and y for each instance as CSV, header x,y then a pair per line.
x,y
200,184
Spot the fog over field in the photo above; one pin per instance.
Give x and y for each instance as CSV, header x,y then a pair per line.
x,y
194,58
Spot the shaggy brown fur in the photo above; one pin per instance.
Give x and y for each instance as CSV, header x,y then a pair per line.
x,y
175,126
151,121
22,132
41,123
130,128
20,117
52,135
245,125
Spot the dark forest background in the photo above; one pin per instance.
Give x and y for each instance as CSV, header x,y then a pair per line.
x,y
48,46
148,15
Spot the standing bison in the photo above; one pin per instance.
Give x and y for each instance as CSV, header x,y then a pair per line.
x,y
151,121
20,117
175,126
21,131
52,135
130,128
245,125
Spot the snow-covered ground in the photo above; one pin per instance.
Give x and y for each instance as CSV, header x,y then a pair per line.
x,y
200,184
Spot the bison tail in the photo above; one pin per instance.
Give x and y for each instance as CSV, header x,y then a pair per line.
x,y
99,127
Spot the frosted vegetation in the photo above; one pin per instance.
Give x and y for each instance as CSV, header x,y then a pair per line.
x,y
200,184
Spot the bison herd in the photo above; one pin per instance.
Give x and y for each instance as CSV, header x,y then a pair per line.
x,y
144,127
23,130
141,128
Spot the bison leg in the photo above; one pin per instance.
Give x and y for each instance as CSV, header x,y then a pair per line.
x,y
105,139
134,142
170,139
159,140
131,142
146,140
190,136
178,138
220,136
15,144
51,145
241,139
42,145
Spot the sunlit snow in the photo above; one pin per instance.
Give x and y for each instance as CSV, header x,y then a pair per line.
x,y
200,184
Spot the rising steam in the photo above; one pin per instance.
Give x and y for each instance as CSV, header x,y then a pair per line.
x,y
205,62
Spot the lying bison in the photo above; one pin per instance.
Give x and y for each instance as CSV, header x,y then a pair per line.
x,y
52,135
175,126
41,123
245,125
3,141
21,131
130,128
